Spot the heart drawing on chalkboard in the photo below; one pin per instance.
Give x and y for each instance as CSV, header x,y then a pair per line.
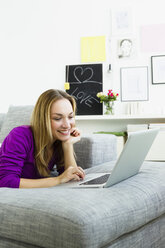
x,y
83,75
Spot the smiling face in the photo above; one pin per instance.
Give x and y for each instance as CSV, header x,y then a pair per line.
x,y
62,119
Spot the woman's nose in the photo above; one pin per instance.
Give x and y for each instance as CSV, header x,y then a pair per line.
x,y
66,123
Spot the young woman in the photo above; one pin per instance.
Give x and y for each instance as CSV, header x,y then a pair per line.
x,y
29,153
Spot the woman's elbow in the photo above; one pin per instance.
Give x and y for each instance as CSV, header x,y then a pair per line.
x,y
9,181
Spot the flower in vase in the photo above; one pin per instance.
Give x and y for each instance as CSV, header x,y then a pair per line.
x,y
108,100
110,96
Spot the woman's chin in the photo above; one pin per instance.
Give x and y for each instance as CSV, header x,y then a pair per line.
x,y
63,137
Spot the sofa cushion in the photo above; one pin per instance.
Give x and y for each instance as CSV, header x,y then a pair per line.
x,y
60,217
97,149
16,116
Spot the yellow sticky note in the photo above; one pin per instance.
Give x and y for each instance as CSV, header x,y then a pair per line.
x,y
93,49
67,86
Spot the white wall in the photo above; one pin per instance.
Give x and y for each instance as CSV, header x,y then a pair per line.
x,y
39,37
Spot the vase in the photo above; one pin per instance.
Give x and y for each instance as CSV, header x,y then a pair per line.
x,y
109,108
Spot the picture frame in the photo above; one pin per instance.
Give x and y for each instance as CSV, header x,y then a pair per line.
x,y
121,20
134,84
158,69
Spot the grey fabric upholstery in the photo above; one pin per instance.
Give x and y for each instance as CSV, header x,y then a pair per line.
x,y
8,243
16,116
129,214
2,117
95,149
151,235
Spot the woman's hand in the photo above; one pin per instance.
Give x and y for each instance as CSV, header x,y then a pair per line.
x,y
75,136
69,157
75,132
72,173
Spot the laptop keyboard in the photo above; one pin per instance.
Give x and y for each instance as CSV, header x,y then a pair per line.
x,y
98,180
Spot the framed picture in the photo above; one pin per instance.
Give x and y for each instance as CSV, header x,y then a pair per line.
x,y
121,19
134,83
158,69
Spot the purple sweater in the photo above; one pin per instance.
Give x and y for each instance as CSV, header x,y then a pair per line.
x,y
17,158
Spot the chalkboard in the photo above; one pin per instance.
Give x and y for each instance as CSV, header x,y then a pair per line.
x,y
85,82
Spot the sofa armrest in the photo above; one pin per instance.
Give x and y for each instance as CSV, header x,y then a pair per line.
x,y
95,149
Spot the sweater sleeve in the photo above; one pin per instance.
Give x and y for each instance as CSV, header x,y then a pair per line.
x,y
13,153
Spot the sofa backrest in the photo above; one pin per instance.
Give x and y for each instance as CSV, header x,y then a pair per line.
x,y
16,116
2,117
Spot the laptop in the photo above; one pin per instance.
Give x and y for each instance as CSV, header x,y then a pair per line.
x,y
127,165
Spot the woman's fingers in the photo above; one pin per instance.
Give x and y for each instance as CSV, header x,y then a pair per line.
x,y
76,177
74,137
75,132
82,172
79,172
72,173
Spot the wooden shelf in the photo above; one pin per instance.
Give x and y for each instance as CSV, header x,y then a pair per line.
x,y
119,117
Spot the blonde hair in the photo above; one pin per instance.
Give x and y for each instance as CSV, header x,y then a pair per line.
x,y
41,127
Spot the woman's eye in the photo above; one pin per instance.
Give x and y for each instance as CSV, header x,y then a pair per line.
x,y
59,118
56,119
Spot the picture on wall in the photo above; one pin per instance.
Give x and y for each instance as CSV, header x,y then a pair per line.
x,y
126,48
158,69
134,83
85,81
121,20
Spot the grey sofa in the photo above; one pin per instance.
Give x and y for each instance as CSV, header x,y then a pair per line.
x,y
130,214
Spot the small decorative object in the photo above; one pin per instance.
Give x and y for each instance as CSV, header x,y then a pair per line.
x,y
108,101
